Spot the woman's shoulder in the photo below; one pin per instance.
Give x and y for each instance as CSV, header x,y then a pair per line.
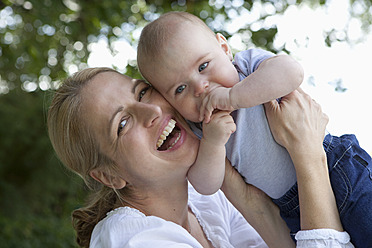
x,y
119,226
125,218
125,212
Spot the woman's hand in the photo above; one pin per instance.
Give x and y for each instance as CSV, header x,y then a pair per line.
x,y
297,123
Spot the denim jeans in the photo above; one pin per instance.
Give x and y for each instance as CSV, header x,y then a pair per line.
x,y
350,171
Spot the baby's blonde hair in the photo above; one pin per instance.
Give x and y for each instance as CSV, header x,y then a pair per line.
x,y
155,36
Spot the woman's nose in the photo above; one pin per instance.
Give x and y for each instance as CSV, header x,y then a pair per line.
x,y
200,87
148,113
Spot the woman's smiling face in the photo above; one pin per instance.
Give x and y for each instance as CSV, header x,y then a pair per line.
x,y
136,127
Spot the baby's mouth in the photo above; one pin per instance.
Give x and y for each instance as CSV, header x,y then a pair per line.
x,y
170,136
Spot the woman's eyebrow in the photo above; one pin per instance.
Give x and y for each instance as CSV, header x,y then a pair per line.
x,y
138,82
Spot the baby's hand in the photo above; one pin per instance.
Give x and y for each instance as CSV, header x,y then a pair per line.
x,y
218,98
219,129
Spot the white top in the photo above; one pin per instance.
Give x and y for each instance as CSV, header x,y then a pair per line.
x,y
223,225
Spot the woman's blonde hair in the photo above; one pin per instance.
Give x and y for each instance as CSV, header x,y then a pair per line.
x,y
79,151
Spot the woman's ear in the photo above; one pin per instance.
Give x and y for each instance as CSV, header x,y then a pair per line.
x,y
224,45
103,177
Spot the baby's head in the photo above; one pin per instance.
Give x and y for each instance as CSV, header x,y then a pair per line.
x,y
183,59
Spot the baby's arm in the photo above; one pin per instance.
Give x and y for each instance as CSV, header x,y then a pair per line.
x,y
207,173
275,77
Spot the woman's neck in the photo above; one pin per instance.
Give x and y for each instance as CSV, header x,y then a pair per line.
x,y
170,203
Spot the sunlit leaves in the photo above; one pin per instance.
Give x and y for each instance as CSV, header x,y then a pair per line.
x,y
56,34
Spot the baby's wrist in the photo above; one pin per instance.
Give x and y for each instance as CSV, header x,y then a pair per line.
x,y
233,98
213,142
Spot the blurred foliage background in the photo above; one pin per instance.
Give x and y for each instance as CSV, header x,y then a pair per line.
x,y
43,41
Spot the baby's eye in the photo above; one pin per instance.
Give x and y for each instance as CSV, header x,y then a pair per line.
x,y
180,89
203,66
122,125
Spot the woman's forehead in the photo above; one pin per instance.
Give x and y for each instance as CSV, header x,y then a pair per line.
x,y
105,89
110,82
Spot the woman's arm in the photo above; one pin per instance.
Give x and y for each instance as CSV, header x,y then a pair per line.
x,y
298,124
257,208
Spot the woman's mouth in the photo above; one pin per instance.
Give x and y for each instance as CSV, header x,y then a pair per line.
x,y
169,137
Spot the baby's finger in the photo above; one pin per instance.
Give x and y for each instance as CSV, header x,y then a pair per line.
x,y
232,126
201,112
227,119
207,118
208,111
203,108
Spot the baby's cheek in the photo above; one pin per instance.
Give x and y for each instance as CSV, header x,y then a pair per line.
x,y
231,77
191,113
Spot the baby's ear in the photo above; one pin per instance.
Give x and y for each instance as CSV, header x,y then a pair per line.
x,y
105,178
224,45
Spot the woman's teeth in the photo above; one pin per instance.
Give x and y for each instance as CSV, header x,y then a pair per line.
x,y
167,130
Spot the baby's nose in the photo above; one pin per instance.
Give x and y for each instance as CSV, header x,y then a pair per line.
x,y
200,87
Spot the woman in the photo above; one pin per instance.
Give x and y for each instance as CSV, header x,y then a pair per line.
x,y
105,126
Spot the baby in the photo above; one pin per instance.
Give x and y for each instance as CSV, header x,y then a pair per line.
x,y
192,68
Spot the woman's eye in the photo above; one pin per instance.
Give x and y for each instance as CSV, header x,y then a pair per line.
x,y
203,66
122,125
143,92
180,89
